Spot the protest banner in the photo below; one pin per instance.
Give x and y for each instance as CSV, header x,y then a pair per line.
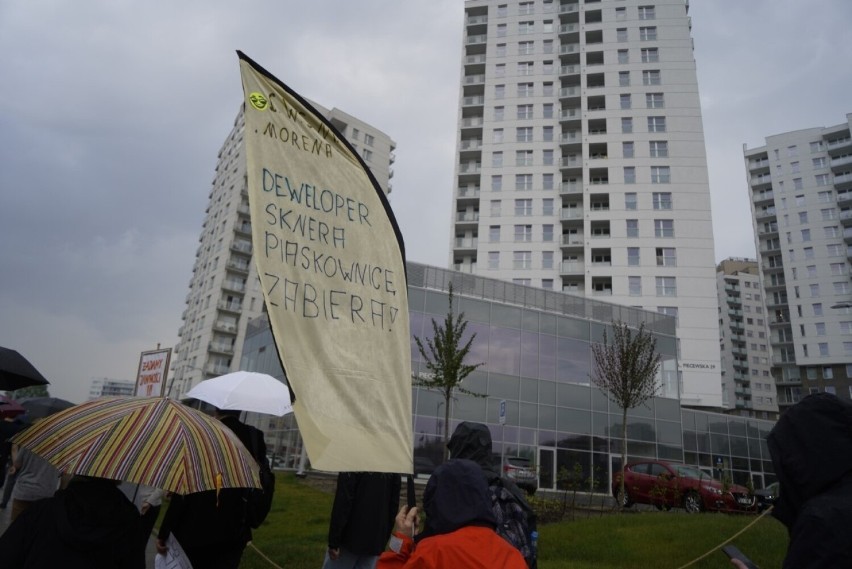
x,y
152,372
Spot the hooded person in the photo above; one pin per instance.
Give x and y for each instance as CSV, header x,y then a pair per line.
x,y
88,525
516,519
459,528
811,448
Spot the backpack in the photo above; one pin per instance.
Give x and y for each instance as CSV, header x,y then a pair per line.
x,y
259,500
513,522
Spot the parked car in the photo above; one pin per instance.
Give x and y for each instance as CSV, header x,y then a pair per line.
x,y
767,496
520,470
666,485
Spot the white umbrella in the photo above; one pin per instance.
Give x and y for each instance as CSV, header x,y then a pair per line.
x,y
245,391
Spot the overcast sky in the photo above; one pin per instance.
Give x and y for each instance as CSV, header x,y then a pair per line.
x,y
112,113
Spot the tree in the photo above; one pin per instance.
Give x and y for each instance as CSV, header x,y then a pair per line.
x,y
445,361
625,368
31,391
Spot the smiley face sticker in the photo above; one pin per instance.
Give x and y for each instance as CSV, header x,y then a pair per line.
x,y
258,101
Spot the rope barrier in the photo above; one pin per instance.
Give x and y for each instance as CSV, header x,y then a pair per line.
x,y
259,552
729,540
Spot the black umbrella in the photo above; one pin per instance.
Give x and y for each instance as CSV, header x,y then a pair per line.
x,y
16,372
41,407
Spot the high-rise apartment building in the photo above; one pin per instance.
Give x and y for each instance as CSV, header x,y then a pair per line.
x,y
748,388
800,185
224,291
106,387
581,163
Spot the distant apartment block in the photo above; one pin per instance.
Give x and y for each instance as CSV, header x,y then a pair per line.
x,y
105,387
748,388
224,291
800,185
581,166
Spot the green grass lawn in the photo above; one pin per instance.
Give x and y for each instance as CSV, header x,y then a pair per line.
x,y
294,536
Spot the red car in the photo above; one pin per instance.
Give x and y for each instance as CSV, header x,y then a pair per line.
x,y
666,485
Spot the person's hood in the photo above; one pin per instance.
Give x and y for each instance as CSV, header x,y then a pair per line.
x,y
456,496
93,511
473,442
811,448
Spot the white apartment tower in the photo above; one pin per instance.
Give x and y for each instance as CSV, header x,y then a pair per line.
x,y
800,185
581,162
224,291
748,388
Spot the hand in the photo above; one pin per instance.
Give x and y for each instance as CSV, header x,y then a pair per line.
x,y
161,547
333,553
144,509
407,521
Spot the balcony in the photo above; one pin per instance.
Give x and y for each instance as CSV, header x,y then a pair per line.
x,y
226,306
477,20
570,188
466,243
570,162
570,137
467,217
474,79
468,193
571,268
227,327
566,92
569,8
238,267
476,101
569,48
573,241
470,144
241,247
569,114
571,213
472,122
478,39
237,286
569,70
220,348
840,143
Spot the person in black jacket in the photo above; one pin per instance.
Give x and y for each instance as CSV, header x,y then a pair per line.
x,y
811,448
211,526
88,525
473,442
362,518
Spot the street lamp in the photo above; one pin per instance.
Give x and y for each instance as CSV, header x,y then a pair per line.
x,y
438,418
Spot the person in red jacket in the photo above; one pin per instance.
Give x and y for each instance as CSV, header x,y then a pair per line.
x,y
459,530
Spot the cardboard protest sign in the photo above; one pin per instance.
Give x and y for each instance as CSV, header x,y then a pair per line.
x,y
331,263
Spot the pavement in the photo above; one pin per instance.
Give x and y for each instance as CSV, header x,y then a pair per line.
x,y
150,552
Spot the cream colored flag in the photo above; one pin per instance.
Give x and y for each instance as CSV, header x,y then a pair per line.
x,y
331,263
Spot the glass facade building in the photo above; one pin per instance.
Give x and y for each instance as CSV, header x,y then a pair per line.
x,y
535,347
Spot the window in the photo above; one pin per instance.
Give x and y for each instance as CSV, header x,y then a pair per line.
x,y
814,289
547,89
820,328
794,167
369,139
656,124
523,207
651,77
494,233
494,259
626,125
355,133
547,232
646,13
841,288
634,286
632,227
831,231
526,48
834,250
497,159
547,133
666,257
526,27
547,26
523,233
660,175
497,135
547,181
621,34
668,311
499,91
501,50
800,200
522,282
525,8
792,151
367,154
525,111
547,284
621,13
500,70
806,236
547,111
630,201
629,175
823,349
495,208
547,206
797,184
666,286
633,256
624,79
803,217
654,100
525,89
838,269
499,113
524,134
547,259
816,146
523,158
820,162
658,148
648,33
650,55
664,228
523,182
496,183
521,259
627,149
547,157
547,46
547,67
662,200
526,68
623,56
502,10
846,328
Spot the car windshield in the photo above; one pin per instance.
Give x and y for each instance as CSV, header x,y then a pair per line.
x,y
518,461
690,472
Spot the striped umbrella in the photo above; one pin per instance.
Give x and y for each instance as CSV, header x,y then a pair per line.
x,y
147,440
